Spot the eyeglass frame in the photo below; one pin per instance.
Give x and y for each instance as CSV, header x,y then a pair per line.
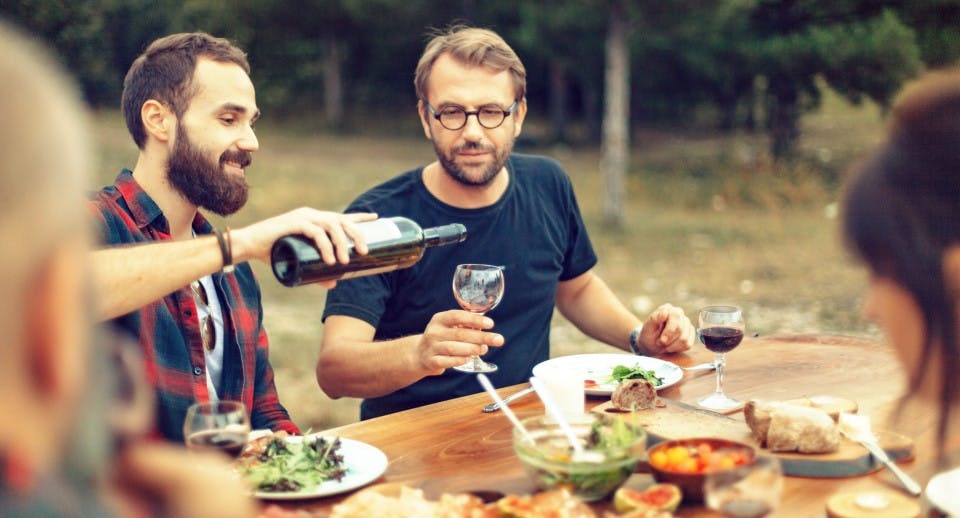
x,y
476,113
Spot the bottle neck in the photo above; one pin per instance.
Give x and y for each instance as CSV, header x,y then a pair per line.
x,y
446,234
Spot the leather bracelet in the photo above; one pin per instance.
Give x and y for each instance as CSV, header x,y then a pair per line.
x,y
635,341
225,250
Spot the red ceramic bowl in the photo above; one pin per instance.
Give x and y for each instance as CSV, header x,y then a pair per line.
x,y
685,462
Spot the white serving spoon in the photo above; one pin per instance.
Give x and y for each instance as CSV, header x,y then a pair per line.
x,y
485,382
579,454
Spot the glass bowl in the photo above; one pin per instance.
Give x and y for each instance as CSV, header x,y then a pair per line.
x,y
613,446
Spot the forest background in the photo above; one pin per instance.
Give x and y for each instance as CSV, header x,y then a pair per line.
x,y
707,139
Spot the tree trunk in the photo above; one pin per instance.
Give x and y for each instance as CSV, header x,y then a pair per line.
x,y
558,101
783,110
616,119
333,83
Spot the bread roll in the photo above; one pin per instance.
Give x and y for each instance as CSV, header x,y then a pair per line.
x,y
833,406
802,429
635,394
784,426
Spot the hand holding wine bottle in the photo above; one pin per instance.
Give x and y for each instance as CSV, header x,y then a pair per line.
x,y
333,234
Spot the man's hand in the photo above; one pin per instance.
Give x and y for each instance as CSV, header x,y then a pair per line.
x,y
451,337
329,230
667,330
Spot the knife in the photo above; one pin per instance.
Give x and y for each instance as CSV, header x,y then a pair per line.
x,y
493,407
857,429
911,486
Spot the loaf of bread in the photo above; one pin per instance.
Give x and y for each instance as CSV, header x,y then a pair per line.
x,y
785,427
635,394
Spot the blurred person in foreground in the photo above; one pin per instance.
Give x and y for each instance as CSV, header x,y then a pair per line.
x,y
391,338
191,298
902,219
59,425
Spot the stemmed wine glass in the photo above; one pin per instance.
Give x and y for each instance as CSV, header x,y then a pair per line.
x,y
218,426
478,288
720,329
748,491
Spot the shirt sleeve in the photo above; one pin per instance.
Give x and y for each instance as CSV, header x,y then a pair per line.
x,y
267,410
580,256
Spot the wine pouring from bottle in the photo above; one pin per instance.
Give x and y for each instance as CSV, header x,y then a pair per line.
x,y
392,243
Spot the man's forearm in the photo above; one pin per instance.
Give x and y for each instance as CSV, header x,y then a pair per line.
x,y
363,369
598,313
126,278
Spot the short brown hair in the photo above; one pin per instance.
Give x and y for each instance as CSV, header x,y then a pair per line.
x,y
165,72
475,47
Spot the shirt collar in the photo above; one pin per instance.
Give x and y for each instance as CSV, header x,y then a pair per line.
x,y
145,211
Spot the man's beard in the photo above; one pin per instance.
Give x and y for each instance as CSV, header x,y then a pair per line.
x,y
449,164
206,184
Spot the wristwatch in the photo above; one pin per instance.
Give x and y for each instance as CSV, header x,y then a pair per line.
x,y
635,341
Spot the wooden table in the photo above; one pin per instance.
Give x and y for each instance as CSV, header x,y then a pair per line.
x,y
453,447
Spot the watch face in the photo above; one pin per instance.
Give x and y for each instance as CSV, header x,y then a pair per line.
x,y
634,337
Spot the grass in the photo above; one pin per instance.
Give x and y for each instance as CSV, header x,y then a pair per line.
x,y
707,219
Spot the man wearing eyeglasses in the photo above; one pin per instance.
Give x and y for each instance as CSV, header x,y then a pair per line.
x,y
393,338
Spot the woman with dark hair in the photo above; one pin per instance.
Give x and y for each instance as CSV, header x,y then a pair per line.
x,y
902,219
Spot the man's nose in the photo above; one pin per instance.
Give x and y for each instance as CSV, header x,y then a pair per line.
x,y
249,141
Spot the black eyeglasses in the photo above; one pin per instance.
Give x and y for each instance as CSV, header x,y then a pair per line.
x,y
454,117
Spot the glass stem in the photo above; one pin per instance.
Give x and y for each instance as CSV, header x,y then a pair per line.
x,y
720,363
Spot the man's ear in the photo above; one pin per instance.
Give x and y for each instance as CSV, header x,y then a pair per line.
x,y
424,119
519,114
158,120
55,331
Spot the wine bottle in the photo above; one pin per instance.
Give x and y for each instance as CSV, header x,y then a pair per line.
x,y
392,243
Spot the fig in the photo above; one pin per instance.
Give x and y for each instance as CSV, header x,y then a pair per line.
x,y
658,497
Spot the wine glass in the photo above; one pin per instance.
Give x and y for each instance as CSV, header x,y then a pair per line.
x,y
748,491
478,288
720,329
217,426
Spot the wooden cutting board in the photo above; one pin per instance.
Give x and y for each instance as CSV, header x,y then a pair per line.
x,y
851,459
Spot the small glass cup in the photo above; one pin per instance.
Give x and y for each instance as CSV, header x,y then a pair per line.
x,y
217,426
748,491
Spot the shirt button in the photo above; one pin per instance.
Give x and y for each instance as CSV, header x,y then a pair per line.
x,y
197,371
186,313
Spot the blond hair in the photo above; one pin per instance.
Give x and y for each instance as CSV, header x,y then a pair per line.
x,y
475,47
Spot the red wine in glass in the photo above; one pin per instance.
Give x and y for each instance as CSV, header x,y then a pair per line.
x,y
721,339
720,329
225,442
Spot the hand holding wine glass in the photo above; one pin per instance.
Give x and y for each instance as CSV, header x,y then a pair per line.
x,y
478,288
220,426
720,329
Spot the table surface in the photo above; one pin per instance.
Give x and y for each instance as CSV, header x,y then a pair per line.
x,y
453,446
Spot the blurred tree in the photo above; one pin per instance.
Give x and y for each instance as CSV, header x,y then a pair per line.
x,y
616,117
858,52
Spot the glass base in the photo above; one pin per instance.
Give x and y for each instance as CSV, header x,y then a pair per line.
x,y
475,365
719,401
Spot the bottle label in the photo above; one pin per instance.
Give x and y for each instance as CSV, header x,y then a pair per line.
x,y
379,230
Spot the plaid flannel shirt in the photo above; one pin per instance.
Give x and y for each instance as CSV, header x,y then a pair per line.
x,y
169,330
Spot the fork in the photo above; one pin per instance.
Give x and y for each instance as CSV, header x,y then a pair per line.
x,y
701,367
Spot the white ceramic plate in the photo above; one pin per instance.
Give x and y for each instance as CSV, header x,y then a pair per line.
x,y
365,463
597,367
942,492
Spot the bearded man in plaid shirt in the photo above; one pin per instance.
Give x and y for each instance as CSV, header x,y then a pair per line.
x,y
185,291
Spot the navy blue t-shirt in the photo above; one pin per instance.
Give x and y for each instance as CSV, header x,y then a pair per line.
x,y
535,230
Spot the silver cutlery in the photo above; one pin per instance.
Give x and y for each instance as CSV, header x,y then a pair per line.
x,y
857,429
493,407
701,367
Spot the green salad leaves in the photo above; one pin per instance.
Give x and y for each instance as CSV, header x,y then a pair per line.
x,y
295,466
622,372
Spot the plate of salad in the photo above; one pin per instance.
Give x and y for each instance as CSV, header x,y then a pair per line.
x,y
603,372
286,467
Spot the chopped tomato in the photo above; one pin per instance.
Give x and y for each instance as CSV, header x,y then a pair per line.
x,y
589,383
